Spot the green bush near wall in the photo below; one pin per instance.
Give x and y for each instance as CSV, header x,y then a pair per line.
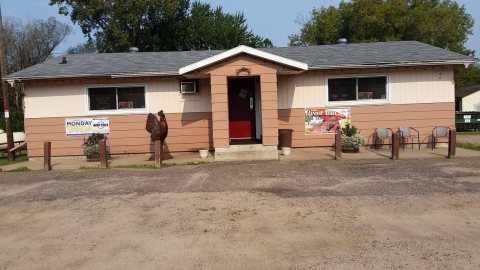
x,y
17,120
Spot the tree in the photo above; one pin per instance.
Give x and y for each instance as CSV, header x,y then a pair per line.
x,y
230,29
467,76
442,23
33,42
27,44
88,47
158,25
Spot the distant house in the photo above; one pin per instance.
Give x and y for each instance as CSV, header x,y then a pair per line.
x,y
219,99
467,99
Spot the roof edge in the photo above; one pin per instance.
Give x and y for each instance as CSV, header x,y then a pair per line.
x,y
242,49
466,63
74,76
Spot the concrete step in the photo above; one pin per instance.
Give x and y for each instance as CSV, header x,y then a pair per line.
x,y
246,152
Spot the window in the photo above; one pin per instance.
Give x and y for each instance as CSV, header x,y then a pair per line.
x,y
116,98
355,89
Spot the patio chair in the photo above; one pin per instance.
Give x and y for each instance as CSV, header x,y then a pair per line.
x,y
382,134
407,134
438,133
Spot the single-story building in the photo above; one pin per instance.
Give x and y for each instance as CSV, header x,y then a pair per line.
x,y
217,99
467,99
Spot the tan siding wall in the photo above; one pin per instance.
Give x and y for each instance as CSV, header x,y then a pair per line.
x,y
187,132
54,100
407,86
422,86
471,102
305,90
67,97
423,117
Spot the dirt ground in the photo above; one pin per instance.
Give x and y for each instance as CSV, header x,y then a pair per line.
x,y
376,214
472,139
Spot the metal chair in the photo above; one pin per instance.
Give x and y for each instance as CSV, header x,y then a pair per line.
x,y
439,132
382,134
406,134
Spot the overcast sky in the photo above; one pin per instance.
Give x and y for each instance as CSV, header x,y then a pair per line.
x,y
275,19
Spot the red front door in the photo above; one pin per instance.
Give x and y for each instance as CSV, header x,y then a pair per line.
x,y
241,111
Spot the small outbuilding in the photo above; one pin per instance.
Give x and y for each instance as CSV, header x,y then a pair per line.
x,y
220,99
467,99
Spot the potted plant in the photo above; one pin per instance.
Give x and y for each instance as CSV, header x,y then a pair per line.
x,y
351,141
91,146
203,153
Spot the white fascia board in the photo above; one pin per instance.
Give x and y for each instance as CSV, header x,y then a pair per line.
x,y
398,64
247,50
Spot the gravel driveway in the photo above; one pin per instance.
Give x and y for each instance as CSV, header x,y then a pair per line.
x,y
376,214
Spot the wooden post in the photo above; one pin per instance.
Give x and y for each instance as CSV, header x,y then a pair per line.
x,y
396,145
452,143
47,156
338,145
158,153
103,154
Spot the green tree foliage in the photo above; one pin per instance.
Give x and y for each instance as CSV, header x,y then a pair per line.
x,y
441,23
228,31
467,76
88,47
158,25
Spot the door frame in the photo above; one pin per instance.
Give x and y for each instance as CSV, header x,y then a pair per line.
x,y
256,103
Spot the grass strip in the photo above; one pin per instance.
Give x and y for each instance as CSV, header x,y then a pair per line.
x,y
21,169
469,146
476,133
145,166
20,158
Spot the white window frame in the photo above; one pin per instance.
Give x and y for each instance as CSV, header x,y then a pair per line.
x,y
116,111
362,102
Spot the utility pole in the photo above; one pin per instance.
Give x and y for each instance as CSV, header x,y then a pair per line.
x,y
6,99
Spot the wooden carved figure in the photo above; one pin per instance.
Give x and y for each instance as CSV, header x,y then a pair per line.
x,y
158,129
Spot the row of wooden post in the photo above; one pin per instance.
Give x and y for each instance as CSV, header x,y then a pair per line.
x,y
452,140
47,155
47,150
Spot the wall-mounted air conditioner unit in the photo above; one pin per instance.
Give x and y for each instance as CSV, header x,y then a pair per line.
x,y
188,87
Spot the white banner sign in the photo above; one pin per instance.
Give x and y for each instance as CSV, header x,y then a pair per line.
x,y
86,126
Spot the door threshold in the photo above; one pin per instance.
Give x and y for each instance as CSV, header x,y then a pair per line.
x,y
244,141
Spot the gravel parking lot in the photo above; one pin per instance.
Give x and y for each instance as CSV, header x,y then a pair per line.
x,y
375,214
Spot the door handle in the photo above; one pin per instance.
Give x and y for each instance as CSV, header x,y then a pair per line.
x,y
251,103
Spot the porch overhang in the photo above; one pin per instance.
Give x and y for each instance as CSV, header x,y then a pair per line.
x,y
243,50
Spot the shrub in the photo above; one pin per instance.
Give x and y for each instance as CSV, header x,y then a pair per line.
x,y
17,120
349,130
90,145
352,143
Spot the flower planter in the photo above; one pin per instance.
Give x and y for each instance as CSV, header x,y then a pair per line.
x,y
93,157
350,150
351,141
286,151
203,153
91,147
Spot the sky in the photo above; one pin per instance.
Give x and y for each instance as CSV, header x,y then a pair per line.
x,y
274,19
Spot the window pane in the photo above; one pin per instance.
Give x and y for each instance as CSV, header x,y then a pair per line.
x,y
131,98
372,88
102,99
342,89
